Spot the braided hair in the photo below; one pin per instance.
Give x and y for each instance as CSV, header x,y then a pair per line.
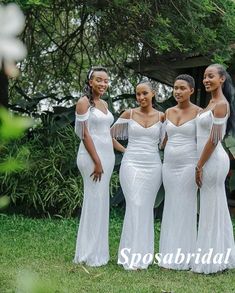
x,y
87,90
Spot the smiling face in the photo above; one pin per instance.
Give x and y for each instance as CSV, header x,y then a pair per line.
x,y
212,80
99,82
144,95
182,91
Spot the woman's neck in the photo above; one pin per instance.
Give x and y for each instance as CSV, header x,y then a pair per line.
x,y
96,98
184,105
217,94
146,110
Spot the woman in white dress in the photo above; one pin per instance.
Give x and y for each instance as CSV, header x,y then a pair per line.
x,y
215,232
140,177
95,161
179,222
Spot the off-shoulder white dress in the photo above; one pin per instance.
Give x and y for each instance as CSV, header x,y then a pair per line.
x,y
92,245
215,230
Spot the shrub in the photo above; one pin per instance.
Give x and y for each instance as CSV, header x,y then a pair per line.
x,y
51,183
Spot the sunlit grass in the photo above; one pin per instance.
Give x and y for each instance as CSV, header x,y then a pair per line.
x,y
38,253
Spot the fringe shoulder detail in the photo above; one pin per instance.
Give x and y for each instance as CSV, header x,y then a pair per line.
x,y
81,121
217,130
119,130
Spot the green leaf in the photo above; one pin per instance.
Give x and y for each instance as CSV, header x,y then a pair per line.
x,y
230,144
4,201
12,127
11,165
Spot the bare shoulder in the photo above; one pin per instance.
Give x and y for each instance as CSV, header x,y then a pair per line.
x,y
171,110
126,114
220,110
82,105
197,109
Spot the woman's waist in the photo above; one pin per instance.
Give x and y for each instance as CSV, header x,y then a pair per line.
x,y
179,142
182,154
101,146
145,157
219,151
180,149
100,133
142,147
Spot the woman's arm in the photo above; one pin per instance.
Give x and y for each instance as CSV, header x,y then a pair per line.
x,y
81,108
118,129
220,111
206,153
163,138
117,146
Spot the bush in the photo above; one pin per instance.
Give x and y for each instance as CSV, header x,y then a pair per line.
x,y
51,183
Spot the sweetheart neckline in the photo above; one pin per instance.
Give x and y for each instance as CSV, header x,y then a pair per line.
x,y
143,126
182,123
102,111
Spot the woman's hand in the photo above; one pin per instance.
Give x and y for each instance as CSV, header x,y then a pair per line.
x,y
98,171
198,175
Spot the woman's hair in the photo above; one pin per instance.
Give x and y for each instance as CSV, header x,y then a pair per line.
x,y
87,90
150,85
229,92
188,78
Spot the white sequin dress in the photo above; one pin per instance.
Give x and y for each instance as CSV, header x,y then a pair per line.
x,y
140,178
179,221
92,245
215,230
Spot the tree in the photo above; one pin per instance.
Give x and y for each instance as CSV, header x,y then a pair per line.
x,y
65,38
3,89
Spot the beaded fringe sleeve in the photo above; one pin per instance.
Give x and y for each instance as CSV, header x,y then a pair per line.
x,y
217,130
81,121
119,130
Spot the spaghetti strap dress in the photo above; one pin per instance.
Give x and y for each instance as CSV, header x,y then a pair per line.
x,y
140,178
179,222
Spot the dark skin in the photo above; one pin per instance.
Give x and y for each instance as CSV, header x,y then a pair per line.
x,y
99,83
218,105
145,114
184,111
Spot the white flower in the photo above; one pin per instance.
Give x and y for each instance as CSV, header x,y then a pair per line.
x,y
12,22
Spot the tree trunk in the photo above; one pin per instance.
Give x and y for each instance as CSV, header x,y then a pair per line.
x,y
4,98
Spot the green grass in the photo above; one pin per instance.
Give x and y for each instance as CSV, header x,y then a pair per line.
x,y
38,253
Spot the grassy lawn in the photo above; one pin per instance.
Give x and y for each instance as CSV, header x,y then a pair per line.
x,y
38,253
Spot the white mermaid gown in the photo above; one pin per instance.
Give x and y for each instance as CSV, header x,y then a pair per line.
x,y
92,245
179,221
215,229
140,178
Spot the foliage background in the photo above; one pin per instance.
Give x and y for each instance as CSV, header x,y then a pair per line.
x,y
64,39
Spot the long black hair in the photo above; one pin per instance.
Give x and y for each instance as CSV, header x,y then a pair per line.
x,y
87,90
229,93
